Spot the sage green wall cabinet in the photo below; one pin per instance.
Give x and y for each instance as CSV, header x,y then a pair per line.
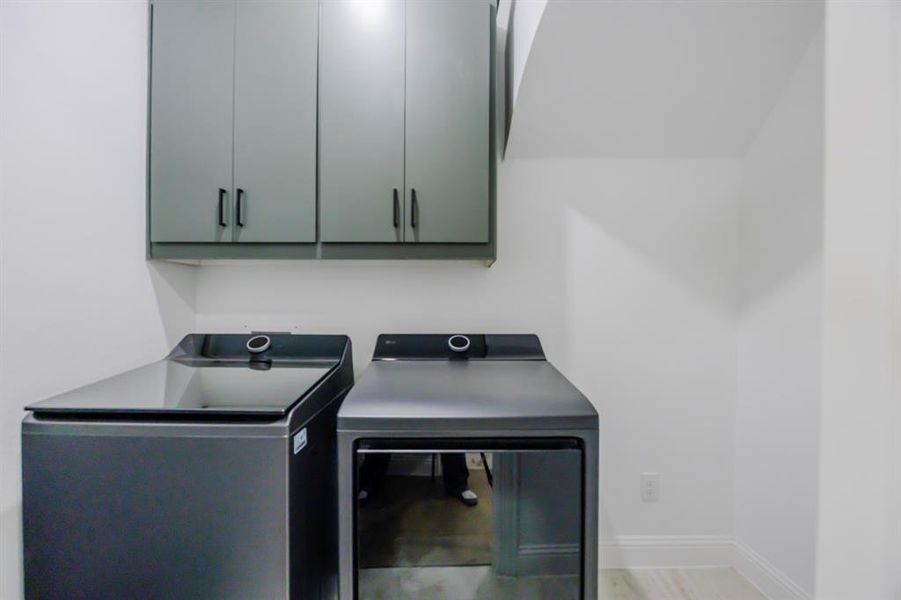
x,y
322,129
191,121
233,121
447,121
361,121
275,121
404,110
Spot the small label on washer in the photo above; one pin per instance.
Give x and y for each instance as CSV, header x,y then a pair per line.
x,y
300,440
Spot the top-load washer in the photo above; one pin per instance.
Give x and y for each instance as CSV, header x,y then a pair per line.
x,y
209,474
498,400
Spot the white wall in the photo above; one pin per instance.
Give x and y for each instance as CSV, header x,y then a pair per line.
x,y
859,526
779,321
625,270
77,300
522,18
656,78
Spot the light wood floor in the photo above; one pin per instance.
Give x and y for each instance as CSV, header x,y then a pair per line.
x,y
459,583
407,552
721,583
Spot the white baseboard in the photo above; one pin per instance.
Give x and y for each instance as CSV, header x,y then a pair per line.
x,y
773,583
666,551
681,551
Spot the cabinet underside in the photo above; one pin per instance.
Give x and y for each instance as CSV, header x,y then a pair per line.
x,y
179,251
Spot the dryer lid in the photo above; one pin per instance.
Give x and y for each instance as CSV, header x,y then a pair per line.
x,y
500,382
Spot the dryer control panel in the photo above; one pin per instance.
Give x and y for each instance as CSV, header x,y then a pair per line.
x,y
457,346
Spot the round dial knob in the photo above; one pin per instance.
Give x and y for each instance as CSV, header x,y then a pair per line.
x,y
258,343
458,343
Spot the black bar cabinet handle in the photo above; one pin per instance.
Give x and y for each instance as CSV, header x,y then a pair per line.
x,y
414,208
396,209
222,193
239,217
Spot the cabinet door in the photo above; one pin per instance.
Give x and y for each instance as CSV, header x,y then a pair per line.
x,y
275,121
361,121
191,121
447,121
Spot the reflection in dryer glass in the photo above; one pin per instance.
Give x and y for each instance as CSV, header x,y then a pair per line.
x,y
520,539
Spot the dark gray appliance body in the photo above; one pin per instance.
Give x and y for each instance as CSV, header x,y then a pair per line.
x,y
499,394
190,478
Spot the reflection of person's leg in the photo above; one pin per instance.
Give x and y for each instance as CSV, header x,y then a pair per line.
x,y
456,477
372,472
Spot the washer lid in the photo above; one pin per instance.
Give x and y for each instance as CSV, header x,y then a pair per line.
x,y
209,376
171,388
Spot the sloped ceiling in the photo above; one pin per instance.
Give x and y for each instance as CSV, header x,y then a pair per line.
x,y
657,78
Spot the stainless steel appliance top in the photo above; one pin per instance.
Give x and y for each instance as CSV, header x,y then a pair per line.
x,y
208,375
473,382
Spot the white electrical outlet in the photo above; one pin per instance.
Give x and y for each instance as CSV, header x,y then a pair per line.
x,y
650,487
